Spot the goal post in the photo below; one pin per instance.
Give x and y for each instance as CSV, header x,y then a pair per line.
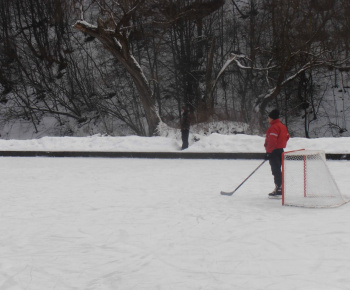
x,y
307,180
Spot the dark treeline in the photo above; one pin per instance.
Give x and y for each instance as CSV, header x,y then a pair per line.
x,y
138,62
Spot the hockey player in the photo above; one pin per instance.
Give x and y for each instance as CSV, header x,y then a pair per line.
x,y
276,139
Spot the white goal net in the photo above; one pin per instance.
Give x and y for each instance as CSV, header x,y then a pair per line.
x,y
307,181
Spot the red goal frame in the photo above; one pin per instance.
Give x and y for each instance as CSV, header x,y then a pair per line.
x,y
283,173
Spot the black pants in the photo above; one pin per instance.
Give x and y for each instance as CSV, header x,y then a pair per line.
x,y
276,164
184,135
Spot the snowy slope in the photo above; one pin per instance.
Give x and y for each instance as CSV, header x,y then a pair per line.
x,y
212,143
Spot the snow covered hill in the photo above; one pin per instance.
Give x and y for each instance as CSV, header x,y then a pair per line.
x,y
211,143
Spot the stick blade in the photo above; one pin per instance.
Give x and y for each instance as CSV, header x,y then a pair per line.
x,y
226,193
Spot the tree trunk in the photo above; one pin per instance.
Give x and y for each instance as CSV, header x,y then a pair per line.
x,y
117,44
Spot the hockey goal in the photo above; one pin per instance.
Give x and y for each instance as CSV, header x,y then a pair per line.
x,y
307,181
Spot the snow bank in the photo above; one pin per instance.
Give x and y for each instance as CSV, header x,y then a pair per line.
x,y
211,143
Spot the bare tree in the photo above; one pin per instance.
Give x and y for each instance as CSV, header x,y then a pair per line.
x,y
301,41
38,47
112,29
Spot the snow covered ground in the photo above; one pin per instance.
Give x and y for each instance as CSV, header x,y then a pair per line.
x,y
211,143
100,223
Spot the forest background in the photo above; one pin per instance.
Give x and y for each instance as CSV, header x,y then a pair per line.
x,y
83,67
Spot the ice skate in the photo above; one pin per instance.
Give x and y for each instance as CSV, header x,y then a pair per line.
x,y
276,193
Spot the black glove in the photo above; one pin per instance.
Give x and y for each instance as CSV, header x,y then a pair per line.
x,y
267,156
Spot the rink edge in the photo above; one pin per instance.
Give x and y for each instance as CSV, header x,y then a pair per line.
x,y
159,155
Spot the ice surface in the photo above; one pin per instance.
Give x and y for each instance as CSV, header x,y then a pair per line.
x,y
99,223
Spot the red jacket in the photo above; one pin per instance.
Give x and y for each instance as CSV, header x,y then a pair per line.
x,y
276,136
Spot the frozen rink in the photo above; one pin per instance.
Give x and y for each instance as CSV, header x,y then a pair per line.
x,y
80,223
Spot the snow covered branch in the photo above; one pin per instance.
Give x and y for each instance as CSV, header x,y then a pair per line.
x,y
236,58
82,24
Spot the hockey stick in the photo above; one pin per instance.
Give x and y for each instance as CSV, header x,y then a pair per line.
x,y
232,192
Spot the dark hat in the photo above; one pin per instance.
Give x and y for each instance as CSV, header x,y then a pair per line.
x,y
274,114
185,108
